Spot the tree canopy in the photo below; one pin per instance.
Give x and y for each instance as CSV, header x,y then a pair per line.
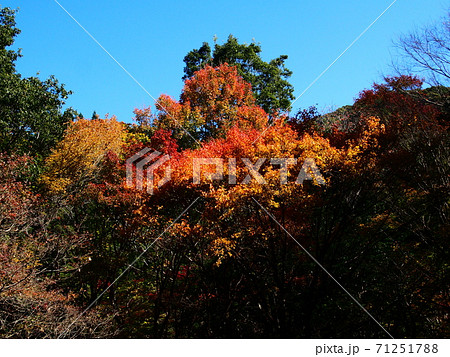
x,y
208,217
269,80
31,116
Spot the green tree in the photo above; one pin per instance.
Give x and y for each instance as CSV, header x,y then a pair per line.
x,y
31,116
268,79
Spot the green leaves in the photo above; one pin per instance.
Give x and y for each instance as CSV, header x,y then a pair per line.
x,y
7,33
31,117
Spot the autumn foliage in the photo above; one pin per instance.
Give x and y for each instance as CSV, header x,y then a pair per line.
x,y
226,256
212,101
81,151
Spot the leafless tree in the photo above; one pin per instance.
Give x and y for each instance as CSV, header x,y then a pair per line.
x,y
427,51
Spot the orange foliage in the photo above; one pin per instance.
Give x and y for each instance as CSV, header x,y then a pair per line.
x,y
214,100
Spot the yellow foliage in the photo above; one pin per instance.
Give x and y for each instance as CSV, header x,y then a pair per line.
x,y
368,137
368,140
134,138
79,154
223,247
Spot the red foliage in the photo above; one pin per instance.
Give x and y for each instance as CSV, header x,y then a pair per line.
x,y
397,104
163,141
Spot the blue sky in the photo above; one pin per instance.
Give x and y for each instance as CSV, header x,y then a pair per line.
x,y
150,39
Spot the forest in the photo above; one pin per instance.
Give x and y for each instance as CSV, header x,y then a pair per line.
x,y
361,253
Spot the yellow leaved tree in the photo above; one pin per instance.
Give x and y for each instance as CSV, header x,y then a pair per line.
x,y
82,149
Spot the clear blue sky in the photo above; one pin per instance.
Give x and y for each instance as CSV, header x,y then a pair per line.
x,y
151,38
